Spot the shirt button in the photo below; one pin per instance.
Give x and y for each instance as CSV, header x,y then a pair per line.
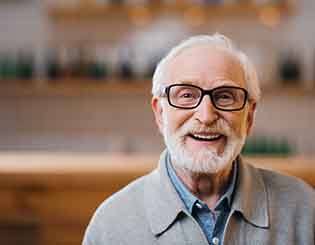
x,y
215,241
199,205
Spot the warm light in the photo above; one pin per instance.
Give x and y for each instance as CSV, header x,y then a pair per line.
x,y
195,16
139,15
270,16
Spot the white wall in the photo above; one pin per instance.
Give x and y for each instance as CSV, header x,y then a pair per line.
x,y
109,122
22,24
97,123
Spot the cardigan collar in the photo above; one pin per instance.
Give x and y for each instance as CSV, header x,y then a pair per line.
x,y
163,205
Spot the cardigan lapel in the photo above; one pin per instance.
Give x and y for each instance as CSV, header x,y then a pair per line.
x,y
249,206
250,197
167,216
163,205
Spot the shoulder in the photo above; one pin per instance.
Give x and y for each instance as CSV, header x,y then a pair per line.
x,y
129,198
287,189
291,203
286,182
113,218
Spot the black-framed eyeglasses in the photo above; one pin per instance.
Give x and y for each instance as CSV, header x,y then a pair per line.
x,y
224,98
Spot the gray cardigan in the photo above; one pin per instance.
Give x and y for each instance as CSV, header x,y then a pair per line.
x,y
267,209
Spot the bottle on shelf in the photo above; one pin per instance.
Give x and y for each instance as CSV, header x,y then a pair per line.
x,y
262,145
96,65
290,71
53,69
25,66
8,67
96,71
81,62
2,66
125,66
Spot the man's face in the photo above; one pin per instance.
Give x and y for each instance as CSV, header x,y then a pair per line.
x,y
204,139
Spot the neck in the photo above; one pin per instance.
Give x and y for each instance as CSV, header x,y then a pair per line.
x,y
208,187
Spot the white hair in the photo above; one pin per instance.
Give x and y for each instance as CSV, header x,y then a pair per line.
x,y
217,41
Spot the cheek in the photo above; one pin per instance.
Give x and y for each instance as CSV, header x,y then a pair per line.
x,y
237,122
174,119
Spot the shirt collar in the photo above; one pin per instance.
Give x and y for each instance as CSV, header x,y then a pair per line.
x,y
191,200
186,196
163,205
228,195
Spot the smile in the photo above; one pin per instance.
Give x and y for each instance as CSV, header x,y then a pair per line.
x,y
206,137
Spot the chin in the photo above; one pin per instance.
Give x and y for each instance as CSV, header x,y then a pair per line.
x,y
203,161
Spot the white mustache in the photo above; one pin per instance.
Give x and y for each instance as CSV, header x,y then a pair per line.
x,y
220,127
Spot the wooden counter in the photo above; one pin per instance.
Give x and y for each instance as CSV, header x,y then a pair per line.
x,y
48,198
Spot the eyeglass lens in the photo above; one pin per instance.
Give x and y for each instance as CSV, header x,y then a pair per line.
x,y
186,96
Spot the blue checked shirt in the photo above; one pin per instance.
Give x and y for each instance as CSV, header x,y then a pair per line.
x,y
212,222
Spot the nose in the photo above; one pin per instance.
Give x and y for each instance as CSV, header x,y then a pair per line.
x,y
206,113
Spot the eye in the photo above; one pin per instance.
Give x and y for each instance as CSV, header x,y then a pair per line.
x,y
224,97
186,95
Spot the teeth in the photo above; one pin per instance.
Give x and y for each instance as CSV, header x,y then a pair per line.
x,y
207,137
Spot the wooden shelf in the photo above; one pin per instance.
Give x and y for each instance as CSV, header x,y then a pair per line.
x,y
81,87
74,87
69,169
50,197
90,10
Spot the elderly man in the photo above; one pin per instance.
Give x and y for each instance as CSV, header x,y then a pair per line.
x,y
205,93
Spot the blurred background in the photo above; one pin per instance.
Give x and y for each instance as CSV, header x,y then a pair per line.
x,y
75,79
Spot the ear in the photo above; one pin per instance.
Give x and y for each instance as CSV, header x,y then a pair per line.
x,y
251,117
157,110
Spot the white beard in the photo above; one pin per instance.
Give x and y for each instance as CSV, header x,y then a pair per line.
x,y
205,160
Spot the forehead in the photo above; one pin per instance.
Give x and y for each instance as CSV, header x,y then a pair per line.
x,y
205,66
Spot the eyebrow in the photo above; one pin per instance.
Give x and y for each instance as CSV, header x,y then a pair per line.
x,y
225,82
191,82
